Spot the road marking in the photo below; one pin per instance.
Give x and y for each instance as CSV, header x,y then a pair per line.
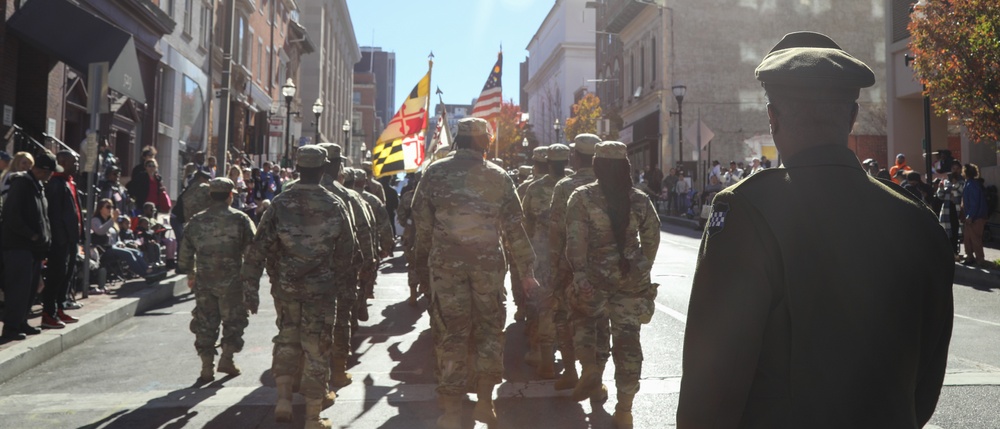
x,y
671,312
977,320
213,396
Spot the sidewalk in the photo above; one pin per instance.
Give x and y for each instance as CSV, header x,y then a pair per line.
x,y
963,274
99,313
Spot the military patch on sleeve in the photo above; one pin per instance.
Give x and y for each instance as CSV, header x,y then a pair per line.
x,y
717,220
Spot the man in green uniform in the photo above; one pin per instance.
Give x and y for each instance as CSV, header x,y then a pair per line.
x,y
196,197
370,184
461,208
405,216
795,319
348,292
308,231
537,169
536,203
582,159
212,255
382,234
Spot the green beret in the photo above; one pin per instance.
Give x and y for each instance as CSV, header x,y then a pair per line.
x,y
473,127
540,154
311,156
221,185
558,152
585,143
811,66
611,150
332,150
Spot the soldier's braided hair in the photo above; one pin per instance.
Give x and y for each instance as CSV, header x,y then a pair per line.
x,y
615,181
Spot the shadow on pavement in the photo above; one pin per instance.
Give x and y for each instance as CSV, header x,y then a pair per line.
x,y
171,411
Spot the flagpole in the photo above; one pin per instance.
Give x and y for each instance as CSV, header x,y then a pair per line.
x,y
427,104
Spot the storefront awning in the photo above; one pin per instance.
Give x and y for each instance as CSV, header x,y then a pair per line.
x,y
78,38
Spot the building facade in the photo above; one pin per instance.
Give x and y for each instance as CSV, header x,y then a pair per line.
x,y
561,62
328,76
383,65
366,125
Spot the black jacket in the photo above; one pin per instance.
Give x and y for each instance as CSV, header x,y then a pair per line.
x,y
62,212
138,188
25,216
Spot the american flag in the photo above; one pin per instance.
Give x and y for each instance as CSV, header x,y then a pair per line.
x,y
488,104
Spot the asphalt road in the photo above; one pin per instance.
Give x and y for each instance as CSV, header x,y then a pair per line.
x,y
142,373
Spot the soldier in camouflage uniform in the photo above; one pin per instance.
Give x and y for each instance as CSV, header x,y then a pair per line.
x,y
212,256
536,203
583,148
196,198
346,301
384,242
461,207
612,235
308,231
405,216
370,184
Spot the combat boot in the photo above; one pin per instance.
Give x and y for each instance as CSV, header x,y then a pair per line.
x,y
546,369
226,364
452,417
569,377
600,396
339,376
329,399
590,379
283,408
313,420
623,411
207,368
484,411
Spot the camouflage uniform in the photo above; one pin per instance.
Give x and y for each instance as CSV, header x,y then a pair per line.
x,y
460,208
213,246
624,299
371,205
404,215
307,230
372,185
196,200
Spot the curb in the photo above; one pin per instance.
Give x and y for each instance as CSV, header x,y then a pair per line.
x,y
976,276
679,221
39,348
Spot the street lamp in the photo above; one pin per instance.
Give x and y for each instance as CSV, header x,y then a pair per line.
x,y
318,110
557,128
679,91
288,91
347,135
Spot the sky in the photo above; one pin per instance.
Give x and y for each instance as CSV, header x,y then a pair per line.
x,y
465,36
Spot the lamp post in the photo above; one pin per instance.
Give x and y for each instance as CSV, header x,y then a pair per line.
x,y
288,91
347,135
524,147
318,110
679,91
558,129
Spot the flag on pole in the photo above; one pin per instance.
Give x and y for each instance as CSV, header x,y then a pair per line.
x,y
488,104
400,148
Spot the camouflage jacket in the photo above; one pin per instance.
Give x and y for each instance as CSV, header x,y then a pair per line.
x,y
386,241
461,208
376,189
308,231
363,225
195,200
213,245
557,214
536,202
590,243
404,214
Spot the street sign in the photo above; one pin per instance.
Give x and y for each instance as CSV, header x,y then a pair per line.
x,y
277,127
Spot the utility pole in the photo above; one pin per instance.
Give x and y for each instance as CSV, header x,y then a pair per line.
x,y
222,148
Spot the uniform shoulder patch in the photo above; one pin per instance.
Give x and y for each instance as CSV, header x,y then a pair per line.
x,y
717,220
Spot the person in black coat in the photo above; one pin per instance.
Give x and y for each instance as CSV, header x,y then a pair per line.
x,y
26,240
391,201
65,217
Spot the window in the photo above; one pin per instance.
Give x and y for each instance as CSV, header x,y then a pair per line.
x,y
188,15
167,96
168,7
642,65
357,97
652,60
260,59
241,34
206,25
248,46
192,115
631,74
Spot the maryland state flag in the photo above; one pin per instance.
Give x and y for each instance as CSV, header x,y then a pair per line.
x,y
400,148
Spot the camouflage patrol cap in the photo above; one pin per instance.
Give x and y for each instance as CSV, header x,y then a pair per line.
x,y
811,66
585,143
311,156
359,174
332,151
366,165
220,185
611,150
558,152
473,127
524,170
540,154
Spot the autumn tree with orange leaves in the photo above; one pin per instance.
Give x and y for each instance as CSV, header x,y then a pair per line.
x,y
957,51
586,113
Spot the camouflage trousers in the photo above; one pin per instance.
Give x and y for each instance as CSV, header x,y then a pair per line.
x,y
412,278
342,323
564,331
541,310
624,313
215,305
515,283
468,312
304,330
